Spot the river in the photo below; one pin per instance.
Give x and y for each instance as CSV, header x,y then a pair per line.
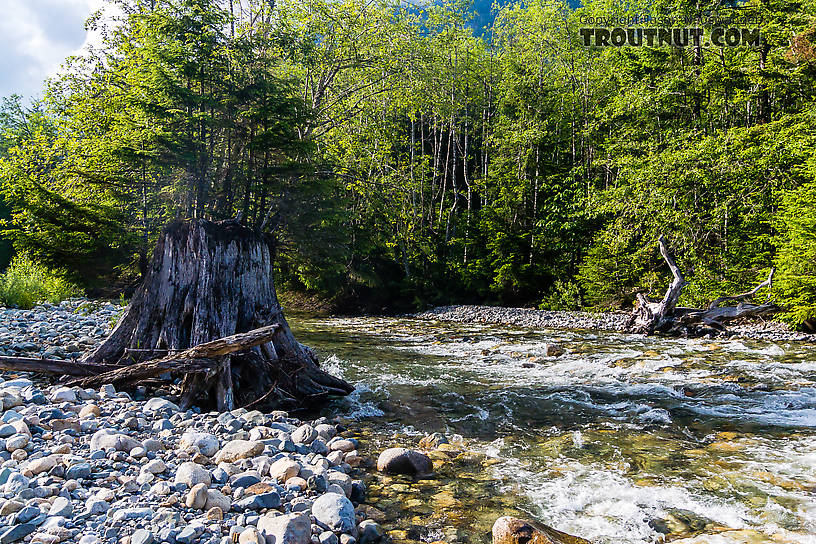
x,y
622,439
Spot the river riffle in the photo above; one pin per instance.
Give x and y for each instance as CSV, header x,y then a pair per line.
x,y
621,439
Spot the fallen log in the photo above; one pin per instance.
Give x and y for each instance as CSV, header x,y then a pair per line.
x,y
664,317
53,366
147,369
204,358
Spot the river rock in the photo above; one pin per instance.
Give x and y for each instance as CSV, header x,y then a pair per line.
x,y
141,536
206,443
80,471
335,512
326,431
192,474
61,507
509,530
10,507
304,434
340,479
250,535
216,499
16,482
369,532
17,442
553,350
63,394
238,449
90,410
110,438
286,528
43,464
197,497
245,479
283,469
404,461
17,532
157,404
156,466
343,445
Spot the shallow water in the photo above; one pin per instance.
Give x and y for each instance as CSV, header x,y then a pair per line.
x,y
621,439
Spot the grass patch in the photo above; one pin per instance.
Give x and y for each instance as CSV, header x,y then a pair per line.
x,y
25,283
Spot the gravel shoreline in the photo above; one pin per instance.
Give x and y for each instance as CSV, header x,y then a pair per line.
x,y
104,466
772,331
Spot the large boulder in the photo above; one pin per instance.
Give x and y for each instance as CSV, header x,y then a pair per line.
x,y
335,512
286,528
404,461
109,438
238,449
509,530
206,443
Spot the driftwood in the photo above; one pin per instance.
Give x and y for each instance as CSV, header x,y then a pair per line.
x,y
207,310
59,367
204,358
664,317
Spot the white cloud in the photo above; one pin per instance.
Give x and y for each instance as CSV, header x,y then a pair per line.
x,y
35,38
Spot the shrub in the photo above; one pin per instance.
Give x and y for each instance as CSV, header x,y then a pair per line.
x,y
24,283
564,296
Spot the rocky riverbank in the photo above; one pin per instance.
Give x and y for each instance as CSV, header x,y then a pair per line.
x,y
98,466
94,466
773,331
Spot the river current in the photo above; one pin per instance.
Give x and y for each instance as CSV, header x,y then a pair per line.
x,y
622,439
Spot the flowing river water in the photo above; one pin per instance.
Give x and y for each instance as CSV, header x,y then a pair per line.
x,y
622,439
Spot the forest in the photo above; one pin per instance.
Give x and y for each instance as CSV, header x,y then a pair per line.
x,y
405,155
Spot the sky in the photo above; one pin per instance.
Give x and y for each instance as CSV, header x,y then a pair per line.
x,y
36,36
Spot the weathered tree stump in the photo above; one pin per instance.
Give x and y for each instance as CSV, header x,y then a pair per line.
x,y
207,281
664,317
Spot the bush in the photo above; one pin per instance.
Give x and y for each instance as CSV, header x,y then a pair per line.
x,y
563,296
24,283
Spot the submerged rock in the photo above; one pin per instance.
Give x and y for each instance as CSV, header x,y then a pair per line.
x,y
432,441
509,530
553,350
404,461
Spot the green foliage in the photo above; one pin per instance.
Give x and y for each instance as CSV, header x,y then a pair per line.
x,y
796,259
563,295
25,283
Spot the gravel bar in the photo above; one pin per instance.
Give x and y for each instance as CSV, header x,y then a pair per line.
x,y
773,331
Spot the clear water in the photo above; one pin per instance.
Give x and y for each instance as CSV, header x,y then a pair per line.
x,y
622,439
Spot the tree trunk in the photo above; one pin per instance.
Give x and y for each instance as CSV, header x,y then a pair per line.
x,y
210,280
